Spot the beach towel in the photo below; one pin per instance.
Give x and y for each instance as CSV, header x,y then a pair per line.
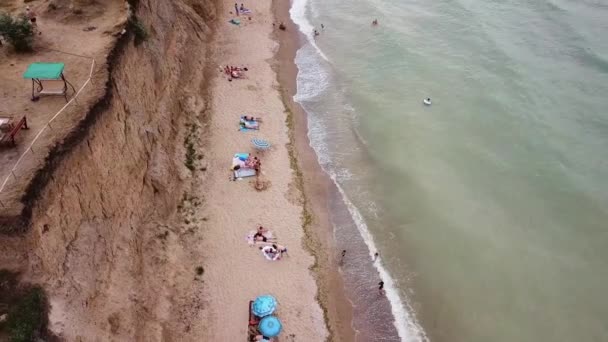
x,y
249,125
244,173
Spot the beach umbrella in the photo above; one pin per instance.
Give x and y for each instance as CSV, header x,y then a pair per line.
x,y
270,326
264,305
260,143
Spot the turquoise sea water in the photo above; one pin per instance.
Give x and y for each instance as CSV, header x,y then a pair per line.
x,y
490,207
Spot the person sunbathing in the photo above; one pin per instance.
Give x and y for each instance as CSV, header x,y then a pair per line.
x,y
249,125
261,237
252,119
251,162
280,249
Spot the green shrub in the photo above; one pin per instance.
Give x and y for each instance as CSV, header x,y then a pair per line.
x,y
27,318
140,31
17,31
190,154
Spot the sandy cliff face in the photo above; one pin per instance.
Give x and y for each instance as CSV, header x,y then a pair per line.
x,y
104,238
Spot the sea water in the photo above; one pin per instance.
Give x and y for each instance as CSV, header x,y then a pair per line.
x,y
489,208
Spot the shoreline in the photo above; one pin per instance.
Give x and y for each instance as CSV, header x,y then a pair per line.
x,y
343,288
316,186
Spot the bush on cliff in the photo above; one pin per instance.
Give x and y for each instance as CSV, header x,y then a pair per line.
x,y
140,31
27,319
17,31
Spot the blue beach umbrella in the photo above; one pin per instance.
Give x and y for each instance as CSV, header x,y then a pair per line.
x,y
260,143
264,305
270,326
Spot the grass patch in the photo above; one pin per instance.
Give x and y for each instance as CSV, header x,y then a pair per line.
x,y
27,318
191,156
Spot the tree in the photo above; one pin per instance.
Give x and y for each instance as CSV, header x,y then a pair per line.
x,y
17,31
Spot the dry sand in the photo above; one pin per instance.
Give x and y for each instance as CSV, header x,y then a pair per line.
x,y
235,272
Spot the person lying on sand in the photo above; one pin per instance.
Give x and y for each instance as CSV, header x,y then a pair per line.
x,y
252,119
248,125
280,249
260,235
271,252
263,338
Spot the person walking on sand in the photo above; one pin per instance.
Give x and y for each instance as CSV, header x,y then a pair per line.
x,y
236,8
381,286
376,256
342,257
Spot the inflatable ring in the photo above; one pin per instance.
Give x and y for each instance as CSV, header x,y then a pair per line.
x,y
427,101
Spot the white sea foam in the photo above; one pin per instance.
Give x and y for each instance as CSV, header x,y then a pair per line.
x,y
313,77
312,80
408,328
298,11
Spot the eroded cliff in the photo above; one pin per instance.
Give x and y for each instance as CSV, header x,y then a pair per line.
x,y
105,238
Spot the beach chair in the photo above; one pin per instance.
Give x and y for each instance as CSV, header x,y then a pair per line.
x,y
252,327
10,130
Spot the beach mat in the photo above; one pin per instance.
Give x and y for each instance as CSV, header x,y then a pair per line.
x,y
244,173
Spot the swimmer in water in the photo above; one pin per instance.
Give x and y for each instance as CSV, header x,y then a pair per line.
x,y
375,22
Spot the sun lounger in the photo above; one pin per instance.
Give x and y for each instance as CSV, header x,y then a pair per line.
x,y
10,129
252,328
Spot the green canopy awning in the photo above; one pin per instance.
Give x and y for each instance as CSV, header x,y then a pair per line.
x,y
44,71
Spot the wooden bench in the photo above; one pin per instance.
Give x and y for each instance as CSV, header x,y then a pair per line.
x,y
9,137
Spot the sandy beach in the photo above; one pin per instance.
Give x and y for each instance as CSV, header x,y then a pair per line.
x,y
236,272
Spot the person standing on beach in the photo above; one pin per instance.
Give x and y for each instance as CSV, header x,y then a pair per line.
x,y
236,8
376,256
381,286
342,258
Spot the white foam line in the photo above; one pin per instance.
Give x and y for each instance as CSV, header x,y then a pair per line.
x,y
407,327
29,148
297,13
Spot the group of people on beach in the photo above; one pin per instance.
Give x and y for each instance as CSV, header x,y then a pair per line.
x,y
241,10
254,163
274,251
234,72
